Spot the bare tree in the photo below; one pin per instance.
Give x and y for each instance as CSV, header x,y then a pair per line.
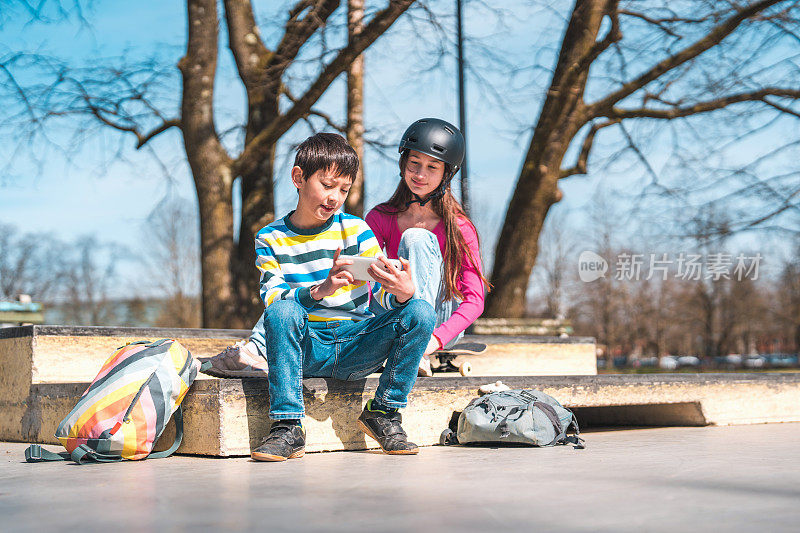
x,y
691,74
26,265
355,107
786,307
551,274
172,251
90,278
126,98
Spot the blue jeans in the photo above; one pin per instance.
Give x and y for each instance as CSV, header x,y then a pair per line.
x,y
421,248
343,349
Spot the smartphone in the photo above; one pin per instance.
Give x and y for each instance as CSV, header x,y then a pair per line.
x,y
360,264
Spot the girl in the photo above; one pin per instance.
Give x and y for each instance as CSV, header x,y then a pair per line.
x,y
424,223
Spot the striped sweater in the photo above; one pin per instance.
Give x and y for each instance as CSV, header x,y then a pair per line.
x,y
292,260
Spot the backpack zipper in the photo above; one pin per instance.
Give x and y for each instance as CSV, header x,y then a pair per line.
x,y
186,364
136,398
126,418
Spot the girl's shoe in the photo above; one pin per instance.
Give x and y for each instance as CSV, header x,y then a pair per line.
x,y
425,367
237,362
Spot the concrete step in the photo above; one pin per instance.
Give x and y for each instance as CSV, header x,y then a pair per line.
x,y
226,417
45,369
521,326
63,354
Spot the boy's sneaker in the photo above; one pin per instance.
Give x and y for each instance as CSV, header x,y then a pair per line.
x,y
285,441
385,428
237,362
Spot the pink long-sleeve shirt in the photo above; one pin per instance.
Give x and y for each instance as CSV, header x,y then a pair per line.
x,y
385,227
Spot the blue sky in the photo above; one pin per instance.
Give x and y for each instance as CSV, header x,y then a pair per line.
x,y
89,195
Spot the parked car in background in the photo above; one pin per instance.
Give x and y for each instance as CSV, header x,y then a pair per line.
x,y
781,360
689,361
621,361
730,361
668,362
649,362
755,361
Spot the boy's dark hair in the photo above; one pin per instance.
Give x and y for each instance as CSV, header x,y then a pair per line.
x,y
326,151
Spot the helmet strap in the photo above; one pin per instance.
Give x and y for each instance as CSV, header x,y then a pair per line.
x,y
438,193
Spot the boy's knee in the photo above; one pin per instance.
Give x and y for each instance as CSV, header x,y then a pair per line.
x,y
418,236
284,314
419,314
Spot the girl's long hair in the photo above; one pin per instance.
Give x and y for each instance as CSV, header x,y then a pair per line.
x,y
449,210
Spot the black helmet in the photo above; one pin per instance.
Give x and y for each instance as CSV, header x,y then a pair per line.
x,y
436,138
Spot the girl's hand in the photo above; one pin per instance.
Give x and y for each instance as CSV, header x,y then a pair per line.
x,y
337,278
433,345
392,279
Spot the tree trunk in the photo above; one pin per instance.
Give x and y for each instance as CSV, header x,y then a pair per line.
x,y
258,210
355,108
210,164
562,116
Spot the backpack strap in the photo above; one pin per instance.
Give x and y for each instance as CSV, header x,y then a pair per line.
x,y
575,439
82,454
551,414
178,437
36,454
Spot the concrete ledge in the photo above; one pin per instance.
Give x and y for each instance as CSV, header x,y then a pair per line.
x,y
225,417
64,354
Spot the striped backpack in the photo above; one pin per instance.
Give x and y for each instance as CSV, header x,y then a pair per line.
x,y
127,406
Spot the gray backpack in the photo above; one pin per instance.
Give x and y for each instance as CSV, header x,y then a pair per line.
x,y
520,416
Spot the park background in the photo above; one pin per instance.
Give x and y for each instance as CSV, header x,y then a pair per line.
x,y
104,233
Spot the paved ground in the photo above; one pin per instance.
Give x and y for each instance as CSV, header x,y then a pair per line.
x,y
738,478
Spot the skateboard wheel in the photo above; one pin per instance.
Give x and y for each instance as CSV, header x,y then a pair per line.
x,y
465,369
447,437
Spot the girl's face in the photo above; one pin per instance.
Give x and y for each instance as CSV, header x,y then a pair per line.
x,y
423,173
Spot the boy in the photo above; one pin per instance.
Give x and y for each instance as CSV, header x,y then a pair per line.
x,y
317,321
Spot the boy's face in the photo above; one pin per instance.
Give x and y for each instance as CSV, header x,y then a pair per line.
x,y
321,194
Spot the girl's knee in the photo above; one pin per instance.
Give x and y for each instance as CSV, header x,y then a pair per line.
x,y
416,236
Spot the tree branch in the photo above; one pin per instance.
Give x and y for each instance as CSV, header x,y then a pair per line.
x,y
704,107
324,116
614,34
245,42
198,68
583,157
167,124
298,31
714,37
376,27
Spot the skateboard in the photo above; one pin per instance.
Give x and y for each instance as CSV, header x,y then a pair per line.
x,y
449,360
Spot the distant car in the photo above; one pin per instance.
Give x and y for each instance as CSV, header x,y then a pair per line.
x,y
782,360
648,361
668,362
732,360
689,360
757,361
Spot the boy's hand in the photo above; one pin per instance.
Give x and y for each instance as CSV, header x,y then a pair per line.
x,y
394,280
337,278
